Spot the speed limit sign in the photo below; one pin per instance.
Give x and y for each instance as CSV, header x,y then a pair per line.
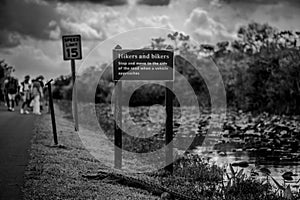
x,y
72,47
72,51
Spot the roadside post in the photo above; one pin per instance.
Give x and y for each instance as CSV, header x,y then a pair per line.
x,y
169,123
143,65
72,51
118,122
52,112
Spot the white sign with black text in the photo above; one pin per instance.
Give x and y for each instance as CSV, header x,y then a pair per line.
x,y
72,47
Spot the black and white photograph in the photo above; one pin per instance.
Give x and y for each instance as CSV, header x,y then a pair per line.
x,y
149,100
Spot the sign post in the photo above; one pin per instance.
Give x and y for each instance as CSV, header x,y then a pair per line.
x,y
73,69
118,122
169,124
52,112
72,51
141,65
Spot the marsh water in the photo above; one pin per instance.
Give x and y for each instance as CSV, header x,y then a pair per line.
x,y
254,141
277,169
260,141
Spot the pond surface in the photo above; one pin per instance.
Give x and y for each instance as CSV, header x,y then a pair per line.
x,y
239,156
263,141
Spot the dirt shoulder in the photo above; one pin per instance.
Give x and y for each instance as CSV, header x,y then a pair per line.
x,y
56,173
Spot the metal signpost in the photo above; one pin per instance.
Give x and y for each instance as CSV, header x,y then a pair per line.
x,y
72,51
141,65
52,112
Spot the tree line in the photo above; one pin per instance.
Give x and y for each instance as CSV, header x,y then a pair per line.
x,y
260,71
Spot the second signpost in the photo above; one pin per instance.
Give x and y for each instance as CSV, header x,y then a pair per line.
x,y
141,65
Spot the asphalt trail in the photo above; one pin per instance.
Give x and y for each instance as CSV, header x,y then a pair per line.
x,y
16,131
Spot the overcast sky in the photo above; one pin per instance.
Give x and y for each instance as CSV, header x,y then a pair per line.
x,y
31,30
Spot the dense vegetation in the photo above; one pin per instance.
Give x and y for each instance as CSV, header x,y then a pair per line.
x,y
260,71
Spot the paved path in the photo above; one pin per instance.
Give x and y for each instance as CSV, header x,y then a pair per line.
x,y
15,135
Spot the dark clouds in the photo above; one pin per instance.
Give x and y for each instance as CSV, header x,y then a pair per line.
x,y
121,2
262,1
40,20
256,4
25,18
104,2
154,2
283,14
9,39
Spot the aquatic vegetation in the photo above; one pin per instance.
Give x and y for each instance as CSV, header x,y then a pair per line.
x,y
193,174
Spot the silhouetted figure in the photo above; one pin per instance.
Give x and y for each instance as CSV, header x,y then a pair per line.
x,y
40,79
25,90
11,86
37,93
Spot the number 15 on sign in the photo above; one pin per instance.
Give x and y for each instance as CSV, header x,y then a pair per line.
x,y
72,47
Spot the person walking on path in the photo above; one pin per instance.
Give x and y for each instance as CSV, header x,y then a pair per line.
x,y
11,86
5,93
37,95
26,95
40,79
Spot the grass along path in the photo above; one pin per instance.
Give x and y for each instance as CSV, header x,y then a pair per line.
x,y
56,173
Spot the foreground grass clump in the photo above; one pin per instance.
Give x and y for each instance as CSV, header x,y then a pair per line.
x,y
193,176
196,178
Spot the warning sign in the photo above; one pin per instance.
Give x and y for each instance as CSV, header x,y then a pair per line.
x,y
72,47
131,64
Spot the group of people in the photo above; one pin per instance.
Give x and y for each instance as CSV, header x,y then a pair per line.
x,y
30,91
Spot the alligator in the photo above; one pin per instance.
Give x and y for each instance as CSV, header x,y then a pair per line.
x,y
130,180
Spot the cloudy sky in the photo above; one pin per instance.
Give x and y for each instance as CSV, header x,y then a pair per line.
x,y
31,30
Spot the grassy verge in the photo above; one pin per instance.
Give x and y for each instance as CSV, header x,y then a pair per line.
x,y
55,173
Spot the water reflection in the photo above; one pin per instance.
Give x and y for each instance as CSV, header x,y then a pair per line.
x,y
224,158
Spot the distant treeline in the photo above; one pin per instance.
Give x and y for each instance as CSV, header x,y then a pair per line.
x,y
260,71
